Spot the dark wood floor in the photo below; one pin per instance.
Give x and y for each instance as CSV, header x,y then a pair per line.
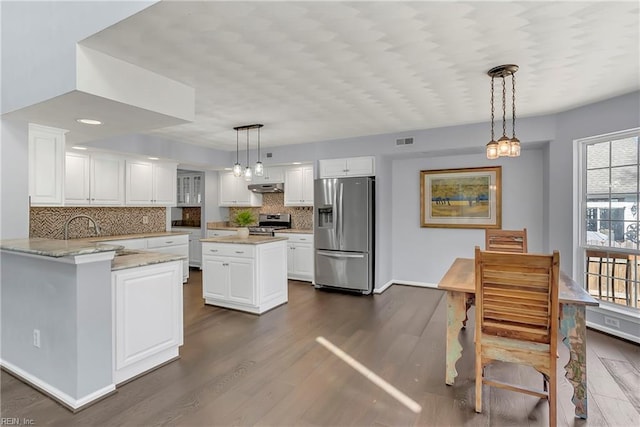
x,y
241,369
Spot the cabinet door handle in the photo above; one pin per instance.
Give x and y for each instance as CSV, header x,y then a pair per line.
x,y
169,242
303,239
239,252
213,250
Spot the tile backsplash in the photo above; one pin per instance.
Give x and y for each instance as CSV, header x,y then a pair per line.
x,y
48,222
301,217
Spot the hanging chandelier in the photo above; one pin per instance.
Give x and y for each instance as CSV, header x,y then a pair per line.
x,y
237,167
505,146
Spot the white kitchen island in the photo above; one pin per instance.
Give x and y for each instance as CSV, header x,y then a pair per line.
x,y
247,274
76,321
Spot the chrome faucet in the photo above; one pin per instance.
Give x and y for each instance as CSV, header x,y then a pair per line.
x,y
96,227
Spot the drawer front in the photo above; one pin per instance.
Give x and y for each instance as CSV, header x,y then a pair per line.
x,y
230,250
221,233
297,238
128,243
160,242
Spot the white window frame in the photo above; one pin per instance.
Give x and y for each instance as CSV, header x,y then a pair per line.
x,y
606,313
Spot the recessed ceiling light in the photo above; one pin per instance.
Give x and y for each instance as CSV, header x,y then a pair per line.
x,y
153,158
77,147
89,121
296,163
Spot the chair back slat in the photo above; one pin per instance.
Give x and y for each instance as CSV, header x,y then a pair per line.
x,y
506,240
517,294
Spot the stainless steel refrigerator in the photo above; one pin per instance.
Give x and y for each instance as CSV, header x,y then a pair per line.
x,y
344,233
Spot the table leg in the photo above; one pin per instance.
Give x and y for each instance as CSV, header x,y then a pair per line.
x,y
574,329
456,309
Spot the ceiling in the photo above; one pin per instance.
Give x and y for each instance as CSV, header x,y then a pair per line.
x,y
313,71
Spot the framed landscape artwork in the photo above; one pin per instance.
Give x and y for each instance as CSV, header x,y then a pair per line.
x,y
461,198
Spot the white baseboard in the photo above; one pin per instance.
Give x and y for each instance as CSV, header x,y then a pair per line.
x,y
614,332
53,392
406,283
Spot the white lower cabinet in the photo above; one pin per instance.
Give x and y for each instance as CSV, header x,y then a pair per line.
x,y
195,247
147,318
299,256
176,244
250,278
172,244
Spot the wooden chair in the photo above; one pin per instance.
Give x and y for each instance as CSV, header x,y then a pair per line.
x,y
506,240
517,318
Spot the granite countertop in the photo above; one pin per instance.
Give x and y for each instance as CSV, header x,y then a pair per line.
x,y
137,258
131,236
251,240
56,248
296,231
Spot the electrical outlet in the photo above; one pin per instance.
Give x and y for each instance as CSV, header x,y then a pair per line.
x,y
36,338
610,321
145,219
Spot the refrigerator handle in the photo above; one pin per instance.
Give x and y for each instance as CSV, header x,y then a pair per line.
x,y
341,215
340,254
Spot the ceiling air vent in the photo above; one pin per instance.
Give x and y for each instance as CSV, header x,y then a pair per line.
x,y
404,141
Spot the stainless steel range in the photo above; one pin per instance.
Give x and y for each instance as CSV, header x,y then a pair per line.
x,y
269,223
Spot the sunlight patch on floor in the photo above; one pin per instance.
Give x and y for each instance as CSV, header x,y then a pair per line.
x,y
391,390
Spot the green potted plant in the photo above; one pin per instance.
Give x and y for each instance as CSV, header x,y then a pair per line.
x,y
243,219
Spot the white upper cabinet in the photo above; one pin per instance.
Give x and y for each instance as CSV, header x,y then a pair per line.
x,y
96,179
46,165
272,175
352,166
234,191
298,186
164,183
150,183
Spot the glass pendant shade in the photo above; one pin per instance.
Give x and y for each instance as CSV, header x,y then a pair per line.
x,y
514,147
248,174
237,170
503,146
492,150
258,169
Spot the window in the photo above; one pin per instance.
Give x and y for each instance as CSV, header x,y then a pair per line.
x,y
610,220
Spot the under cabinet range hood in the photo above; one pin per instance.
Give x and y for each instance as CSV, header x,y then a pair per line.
x,y
267,188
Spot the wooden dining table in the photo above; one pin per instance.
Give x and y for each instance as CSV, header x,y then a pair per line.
x,y
459,283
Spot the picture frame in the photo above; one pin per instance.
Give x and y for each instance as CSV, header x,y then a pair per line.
x,y
461,198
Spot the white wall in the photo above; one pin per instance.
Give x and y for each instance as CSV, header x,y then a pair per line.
x,y
212,212
14,180
612,115
425,254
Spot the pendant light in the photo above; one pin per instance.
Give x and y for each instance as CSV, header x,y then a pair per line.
x,y
237,169
259,168
248,174
505,146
